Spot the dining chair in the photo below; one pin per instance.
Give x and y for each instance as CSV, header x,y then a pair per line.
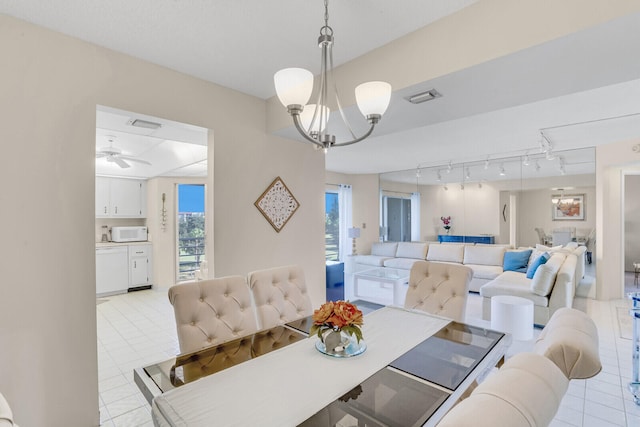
x,y
543,237
211,312
561,237
439,288
280,295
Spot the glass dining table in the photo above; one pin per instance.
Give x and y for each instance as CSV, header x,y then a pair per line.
x,y
414,370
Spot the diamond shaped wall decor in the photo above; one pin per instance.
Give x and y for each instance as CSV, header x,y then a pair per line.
x,y
277,204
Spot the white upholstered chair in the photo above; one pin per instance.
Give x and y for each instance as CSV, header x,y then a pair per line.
x,y
280,295
211,312
6,416
439,288
525,392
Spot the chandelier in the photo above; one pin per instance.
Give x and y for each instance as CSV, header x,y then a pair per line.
x,y
295,85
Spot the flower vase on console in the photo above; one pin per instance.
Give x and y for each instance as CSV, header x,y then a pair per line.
x,y
446,221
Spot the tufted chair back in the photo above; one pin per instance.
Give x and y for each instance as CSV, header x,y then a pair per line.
x,y
439,288
280,295
210,312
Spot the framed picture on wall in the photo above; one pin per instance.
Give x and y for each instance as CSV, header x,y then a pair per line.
x,y
567,207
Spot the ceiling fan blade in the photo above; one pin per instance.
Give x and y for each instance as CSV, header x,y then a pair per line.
x,y
100,155
133,159
121,162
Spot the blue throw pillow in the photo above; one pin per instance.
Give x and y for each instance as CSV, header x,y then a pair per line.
x,y
516,260
537,263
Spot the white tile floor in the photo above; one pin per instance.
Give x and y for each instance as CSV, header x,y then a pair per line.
x,y
137,329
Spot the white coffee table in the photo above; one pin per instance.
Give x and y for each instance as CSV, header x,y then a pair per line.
x,y
513,315
381,285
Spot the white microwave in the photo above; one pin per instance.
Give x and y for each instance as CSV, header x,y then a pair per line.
x,y
128,234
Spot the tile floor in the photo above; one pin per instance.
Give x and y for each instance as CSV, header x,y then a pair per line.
x,y
138,328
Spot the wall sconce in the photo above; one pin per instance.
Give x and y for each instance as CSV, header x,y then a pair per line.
x,y
354,233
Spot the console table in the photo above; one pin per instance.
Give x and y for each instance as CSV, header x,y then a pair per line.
x,y
467,239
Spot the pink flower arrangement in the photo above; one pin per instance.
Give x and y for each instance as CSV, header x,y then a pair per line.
x,y
446,220
337,316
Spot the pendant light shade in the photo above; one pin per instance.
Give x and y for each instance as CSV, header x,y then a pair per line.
x,y
293,86
315,124
373,98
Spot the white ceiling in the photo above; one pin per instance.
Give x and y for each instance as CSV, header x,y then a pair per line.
x,y
174,149
493,109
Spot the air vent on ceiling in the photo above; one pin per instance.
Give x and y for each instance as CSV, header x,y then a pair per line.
x,y
425,96
144,124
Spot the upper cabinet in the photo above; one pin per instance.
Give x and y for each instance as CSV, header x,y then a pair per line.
x,y
121,198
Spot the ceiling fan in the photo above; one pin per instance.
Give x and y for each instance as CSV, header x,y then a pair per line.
x,y
114,155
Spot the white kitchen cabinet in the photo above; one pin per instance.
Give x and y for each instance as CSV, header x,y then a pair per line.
x,y
140,266
121,198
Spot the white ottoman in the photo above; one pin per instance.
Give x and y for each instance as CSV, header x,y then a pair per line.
x,y
513,315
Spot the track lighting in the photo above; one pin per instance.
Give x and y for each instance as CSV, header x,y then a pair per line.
x,y
502,171
449,167
537,166
438,176
468,174
526,160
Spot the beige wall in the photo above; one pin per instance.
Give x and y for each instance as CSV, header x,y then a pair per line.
x,y
631,219
611,162
49,90
534,210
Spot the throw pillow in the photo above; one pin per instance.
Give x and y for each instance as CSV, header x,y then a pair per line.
x,y
516,260
543,280
533,266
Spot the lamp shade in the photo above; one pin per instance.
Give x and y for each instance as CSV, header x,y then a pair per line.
x,y
354,232
321,119
293,86
373,97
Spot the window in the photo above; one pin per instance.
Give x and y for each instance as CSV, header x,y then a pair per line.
x,y
191,231
332,226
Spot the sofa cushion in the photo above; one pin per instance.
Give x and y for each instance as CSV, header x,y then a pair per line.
x,y
411,250
484,255
544,248
513,283
386,249
516,260
376,261
400,263
449,253
488,272
543,280
537,262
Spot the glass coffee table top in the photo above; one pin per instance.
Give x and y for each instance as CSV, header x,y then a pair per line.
x,y
384,273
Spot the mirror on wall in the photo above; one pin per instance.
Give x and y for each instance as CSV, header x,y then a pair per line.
x,y
495,200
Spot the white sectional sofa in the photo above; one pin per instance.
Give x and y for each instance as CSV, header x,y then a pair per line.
x,y
550,291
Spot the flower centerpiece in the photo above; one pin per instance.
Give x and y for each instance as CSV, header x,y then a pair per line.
x,y
446,221
335,322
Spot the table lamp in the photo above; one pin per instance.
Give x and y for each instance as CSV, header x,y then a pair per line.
x,y
354,233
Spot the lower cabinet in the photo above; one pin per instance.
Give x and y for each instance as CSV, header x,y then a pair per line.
x,y
140,267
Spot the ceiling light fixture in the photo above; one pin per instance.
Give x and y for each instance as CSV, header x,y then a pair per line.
x,y
486,163
449,167
546,146
526,161
502,172
294,87
468,174
418,174
537,166
421,97
438,176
